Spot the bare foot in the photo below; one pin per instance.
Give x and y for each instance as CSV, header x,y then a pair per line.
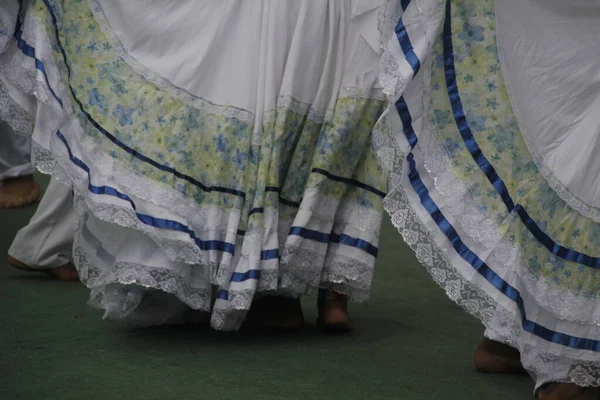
x,y
19,192
67,272
567,391
495,357
275,312
333,312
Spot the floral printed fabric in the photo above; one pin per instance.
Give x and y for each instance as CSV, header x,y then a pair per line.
x,y
490,117
210,153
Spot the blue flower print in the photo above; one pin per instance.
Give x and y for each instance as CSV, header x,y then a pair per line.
x,y
239,159
323,144
471,34
451,147
534,264
344,134
492,103
364,201
254,155
95,98
557,263
186,159
552,203
503,138
191,119
175,143
124,115
471,99
442,118
107,70
240,130
118,87
221,144
477,123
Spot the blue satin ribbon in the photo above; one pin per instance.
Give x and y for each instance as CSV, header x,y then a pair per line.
x,y
334,238
348,181
244,276
406,119
407,47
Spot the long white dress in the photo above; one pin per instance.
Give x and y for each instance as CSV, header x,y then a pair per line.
x,y
491,152
217,149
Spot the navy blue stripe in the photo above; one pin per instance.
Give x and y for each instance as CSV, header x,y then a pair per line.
x,y
334,238
222,294
244,276
289,203
487,168
406,119
349,181
407,47
405,4
272,254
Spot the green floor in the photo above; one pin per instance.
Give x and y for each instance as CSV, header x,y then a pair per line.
x,y
411,342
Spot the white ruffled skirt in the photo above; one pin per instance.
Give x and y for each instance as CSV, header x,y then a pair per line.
x,y
217,149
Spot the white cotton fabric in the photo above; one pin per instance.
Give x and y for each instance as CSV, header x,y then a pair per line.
x,y
254,52
15,154
550,54
47,241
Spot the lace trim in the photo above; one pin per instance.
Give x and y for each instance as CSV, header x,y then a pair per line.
x,y
121,289
581,206
458,199
12,113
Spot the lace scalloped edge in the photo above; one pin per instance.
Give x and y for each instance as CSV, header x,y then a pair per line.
x,y
550,300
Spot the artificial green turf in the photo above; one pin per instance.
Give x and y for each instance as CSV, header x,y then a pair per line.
x,y
411,342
